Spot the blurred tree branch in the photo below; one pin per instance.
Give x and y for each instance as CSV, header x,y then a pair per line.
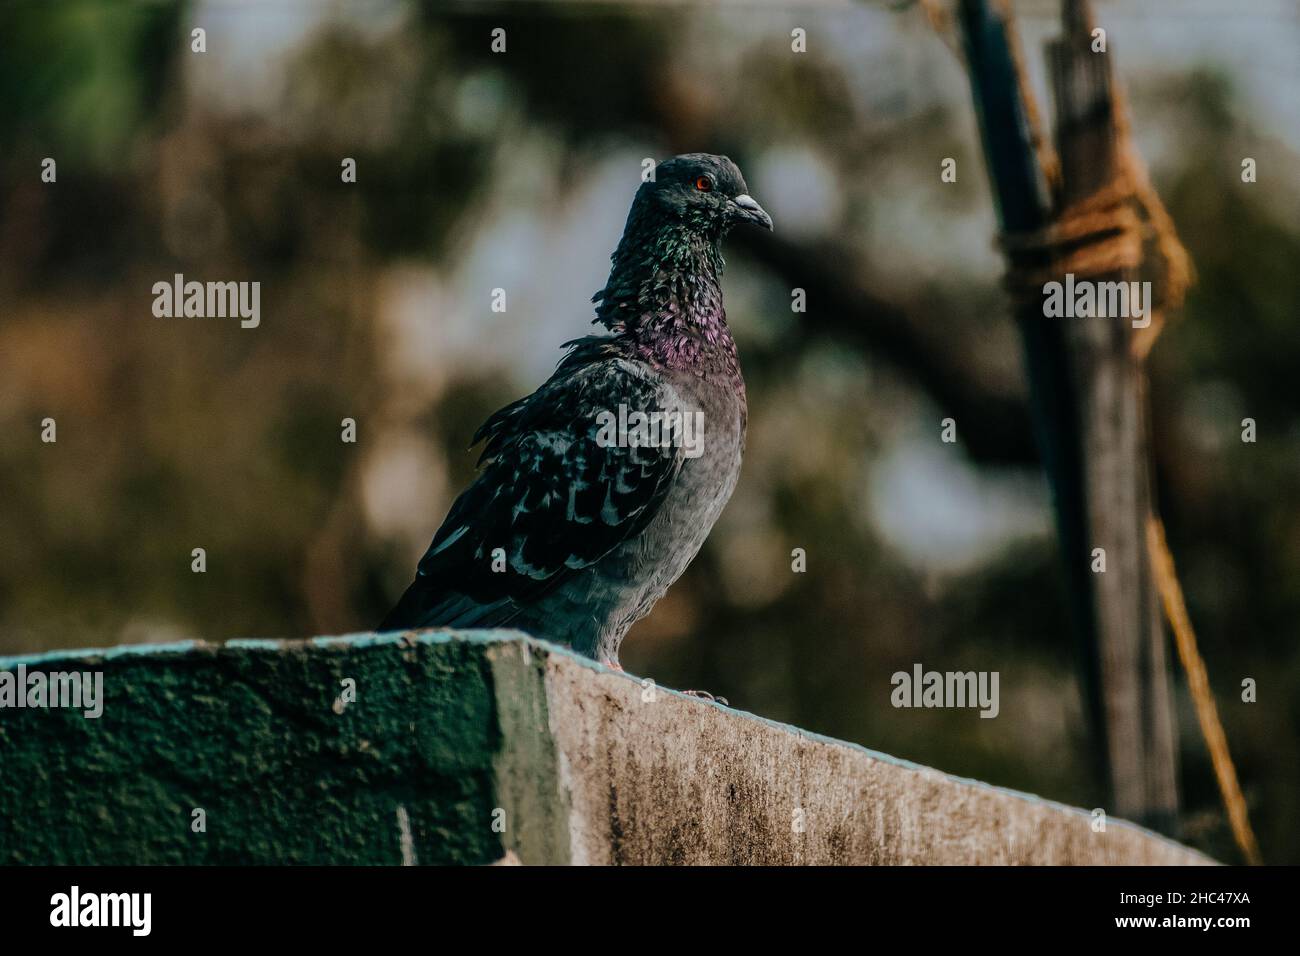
x,y
995,428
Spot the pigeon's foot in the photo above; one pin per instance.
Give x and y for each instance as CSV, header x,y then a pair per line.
x,y
613,665
705,695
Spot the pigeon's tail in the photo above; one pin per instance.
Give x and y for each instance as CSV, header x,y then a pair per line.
x,y
406,612
424,605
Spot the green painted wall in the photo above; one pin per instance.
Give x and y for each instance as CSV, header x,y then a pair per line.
x,y
249,733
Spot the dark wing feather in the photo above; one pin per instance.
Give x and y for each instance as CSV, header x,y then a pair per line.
x,y
550,495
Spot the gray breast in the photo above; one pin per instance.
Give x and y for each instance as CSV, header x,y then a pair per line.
x,y
639,572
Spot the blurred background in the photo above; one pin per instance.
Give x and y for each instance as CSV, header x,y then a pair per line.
x,y
478,171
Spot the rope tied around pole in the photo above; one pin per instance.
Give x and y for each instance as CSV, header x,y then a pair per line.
x,y
1104,233
1097,235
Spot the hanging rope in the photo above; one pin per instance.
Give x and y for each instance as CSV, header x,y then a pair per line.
x,y
1198,682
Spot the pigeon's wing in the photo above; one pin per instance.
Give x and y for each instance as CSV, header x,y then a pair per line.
x,y
555,495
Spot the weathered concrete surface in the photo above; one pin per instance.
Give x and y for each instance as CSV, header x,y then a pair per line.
x,y
476,748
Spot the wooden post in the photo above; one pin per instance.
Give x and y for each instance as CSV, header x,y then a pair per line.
x,y
1088,401
1023,200
1111,386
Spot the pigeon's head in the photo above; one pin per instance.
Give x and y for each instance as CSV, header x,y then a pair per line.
x,y
703,192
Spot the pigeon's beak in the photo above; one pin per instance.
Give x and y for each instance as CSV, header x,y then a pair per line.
x,y
745,208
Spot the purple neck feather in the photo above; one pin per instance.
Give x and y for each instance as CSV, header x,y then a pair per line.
x,y
665,298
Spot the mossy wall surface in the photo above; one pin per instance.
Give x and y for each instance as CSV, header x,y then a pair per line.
x,y
255,735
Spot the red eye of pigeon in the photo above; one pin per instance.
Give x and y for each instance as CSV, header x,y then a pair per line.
x,y
704,184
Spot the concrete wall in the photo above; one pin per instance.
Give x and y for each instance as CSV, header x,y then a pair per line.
x,y
475,748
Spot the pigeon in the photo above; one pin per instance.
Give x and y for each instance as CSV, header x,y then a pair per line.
x,y
596,491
